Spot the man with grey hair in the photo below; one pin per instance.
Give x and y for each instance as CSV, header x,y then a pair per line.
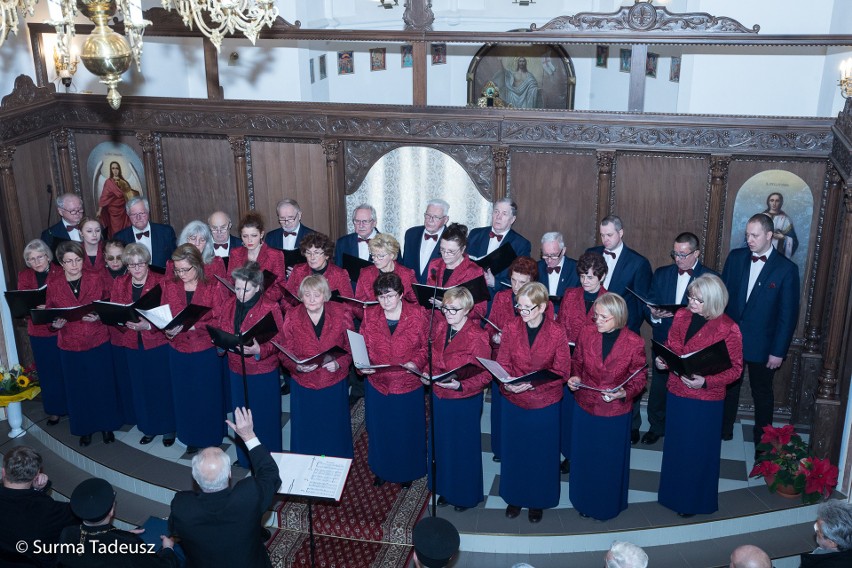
x,y
749,556
357,244
833,533
70,209
555,270
292,231
219,224
485,240
421,242
221,525
625,555
159,239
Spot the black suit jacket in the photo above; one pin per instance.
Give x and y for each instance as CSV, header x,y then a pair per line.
x,y
663,289
162,241
275,237
29,515
631,271
411,253
222,529
93,558
57,231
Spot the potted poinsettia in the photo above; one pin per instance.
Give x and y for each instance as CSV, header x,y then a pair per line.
x,y
786,465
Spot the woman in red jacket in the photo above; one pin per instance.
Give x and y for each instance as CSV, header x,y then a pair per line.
x,y
39,260
84,348
522,270
694,405
395,334
318,249
197,389
604,358
319,396
240,312
146,351
575,313
384,250
254,250
529,471
456,341
455,267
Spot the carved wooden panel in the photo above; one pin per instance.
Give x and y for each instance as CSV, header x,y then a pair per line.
x,y
659,196
33,174
555,191
292,170
199,178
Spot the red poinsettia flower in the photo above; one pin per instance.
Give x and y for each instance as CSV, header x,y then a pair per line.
x,y
764,468
820,475
777,436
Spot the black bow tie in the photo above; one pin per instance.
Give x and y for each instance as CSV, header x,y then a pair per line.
x,y
610,253
363,240
289,234
493,235
220,246
427,236
761,258
682,272
552,269
142,234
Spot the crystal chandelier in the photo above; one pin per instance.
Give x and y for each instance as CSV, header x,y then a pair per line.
x,y
217,18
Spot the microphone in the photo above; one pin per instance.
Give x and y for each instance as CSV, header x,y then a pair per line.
x,y
434,273
49,189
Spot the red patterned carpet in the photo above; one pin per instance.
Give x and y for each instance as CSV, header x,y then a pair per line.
x,y
369,527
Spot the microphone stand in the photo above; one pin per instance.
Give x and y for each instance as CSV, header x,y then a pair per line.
x,y
243,355
433,462
49,204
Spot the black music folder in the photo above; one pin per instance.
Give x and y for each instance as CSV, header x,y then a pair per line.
x,y
22,301
161,316
477,287
319,359
499,260
262,331
709,361
112,313
354,265
667,307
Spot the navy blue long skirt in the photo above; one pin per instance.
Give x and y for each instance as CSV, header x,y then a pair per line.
x,y
198,397
689,478
458,445
497,401
566,418
529,470
600,464
320,422
264,394
124,384
396,430
151,380
50,375
90,390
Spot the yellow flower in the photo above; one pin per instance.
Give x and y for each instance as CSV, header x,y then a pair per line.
x,y
23,381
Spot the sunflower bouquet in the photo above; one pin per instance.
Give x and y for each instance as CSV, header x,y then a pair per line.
x,y
17,380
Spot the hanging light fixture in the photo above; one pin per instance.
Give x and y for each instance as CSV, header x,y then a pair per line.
x,y
217,18
388,4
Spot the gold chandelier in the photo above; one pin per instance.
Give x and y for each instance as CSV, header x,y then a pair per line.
x,y
107,54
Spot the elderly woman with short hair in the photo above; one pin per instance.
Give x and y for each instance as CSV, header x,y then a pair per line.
x,y
604,358
146,351
38,258
198,233
695,403
318,249
384,251
319,395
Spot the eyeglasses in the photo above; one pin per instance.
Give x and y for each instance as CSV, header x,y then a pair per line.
x,y
38,258
433,217
525,311
596,317
588,277
72,211
362,221
75,260
137,215
196,239
552,256
681,255
387,297
286,219
314,252
110,257
694,299
182,271
379,256
137,265
221,229
450,310
447,252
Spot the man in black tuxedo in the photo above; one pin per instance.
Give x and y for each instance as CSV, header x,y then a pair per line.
x,y
292,231
221,526
626,268
357,244
555,270
421,242
70,209
29,513
668,287
223,241
485,240
159,239
764,301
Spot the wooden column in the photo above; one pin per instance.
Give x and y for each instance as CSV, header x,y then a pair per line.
x,y
719,167
336,192
211,71
827,412
238,147
152,179
419,73
501,161
10,218
636,94
66,173
606,159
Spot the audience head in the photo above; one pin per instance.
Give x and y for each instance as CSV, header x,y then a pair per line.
x,y
37,255
93,501
289,214
188,265
198,233
833,526
759,231
211,470
708,296
611,231
435,542
251,230
626,555
364,220
610,312
139,211
21,465
436,215
552,248
219,224
70,208
503,214
749,556
522,270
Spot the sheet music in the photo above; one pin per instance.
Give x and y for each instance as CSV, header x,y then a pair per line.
x,y
312,476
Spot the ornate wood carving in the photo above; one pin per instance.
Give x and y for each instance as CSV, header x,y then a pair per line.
x,y
500,155
149,146
238,147
62,142
336,191
360,157
418,15
719,167
10,216
606,188
26,93
645,17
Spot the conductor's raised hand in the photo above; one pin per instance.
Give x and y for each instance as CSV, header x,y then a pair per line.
x,y
243,424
